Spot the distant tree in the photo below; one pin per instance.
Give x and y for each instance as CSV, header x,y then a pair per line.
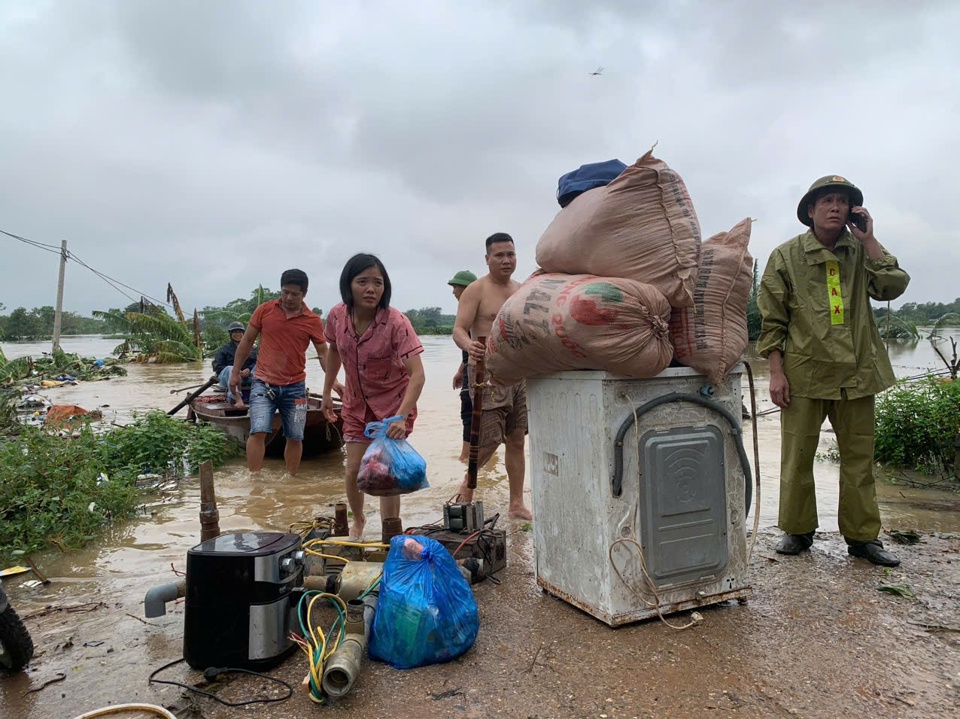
x,y
238,310
45,316
23,325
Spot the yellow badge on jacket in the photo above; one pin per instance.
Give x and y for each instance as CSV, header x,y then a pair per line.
x,y
833,290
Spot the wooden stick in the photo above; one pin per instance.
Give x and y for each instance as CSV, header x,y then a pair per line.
x,y
475,421
194,395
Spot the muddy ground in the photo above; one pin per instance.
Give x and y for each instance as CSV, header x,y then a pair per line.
x,y
815,639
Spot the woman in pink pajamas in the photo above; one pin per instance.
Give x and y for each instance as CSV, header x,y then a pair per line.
x,y
380,355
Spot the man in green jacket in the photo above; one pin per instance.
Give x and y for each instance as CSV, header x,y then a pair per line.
x,y
827,360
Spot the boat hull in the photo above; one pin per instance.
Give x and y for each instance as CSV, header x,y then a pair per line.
x,y
319,435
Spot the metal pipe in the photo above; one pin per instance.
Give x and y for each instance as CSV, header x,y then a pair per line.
x,y
391,527
340,528
155,602
343,668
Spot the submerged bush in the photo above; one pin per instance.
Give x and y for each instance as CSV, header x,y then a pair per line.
x,y
917,425
65,490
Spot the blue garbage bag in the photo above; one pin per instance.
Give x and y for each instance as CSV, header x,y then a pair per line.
x,y
587,177
426,612
390,466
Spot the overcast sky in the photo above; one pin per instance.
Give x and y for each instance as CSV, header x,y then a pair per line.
x,y
214,144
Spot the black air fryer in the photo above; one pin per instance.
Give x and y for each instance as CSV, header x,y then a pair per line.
x,y
240,601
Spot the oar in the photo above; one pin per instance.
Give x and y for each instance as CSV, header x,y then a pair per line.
x,y
184,389
475,422
193,395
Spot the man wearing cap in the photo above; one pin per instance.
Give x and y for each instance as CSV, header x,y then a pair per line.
x,y
827,360
459,283
223,362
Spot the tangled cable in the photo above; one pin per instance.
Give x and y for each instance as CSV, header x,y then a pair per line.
x,y
317,645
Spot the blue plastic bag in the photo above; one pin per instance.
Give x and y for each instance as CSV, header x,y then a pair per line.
x,y
390,466
426,613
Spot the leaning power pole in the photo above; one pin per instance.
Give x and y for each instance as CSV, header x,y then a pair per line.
x,y
59,311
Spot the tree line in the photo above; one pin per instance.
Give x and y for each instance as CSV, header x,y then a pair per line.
x,y
36,324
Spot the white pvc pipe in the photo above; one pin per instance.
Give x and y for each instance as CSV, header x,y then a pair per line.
x,y
117,708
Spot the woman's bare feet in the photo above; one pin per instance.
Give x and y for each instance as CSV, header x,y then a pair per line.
x,y
357,526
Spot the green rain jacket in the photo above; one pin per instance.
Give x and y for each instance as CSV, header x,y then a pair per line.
x,y
815,308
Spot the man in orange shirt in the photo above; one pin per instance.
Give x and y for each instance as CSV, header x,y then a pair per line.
x,y
287,327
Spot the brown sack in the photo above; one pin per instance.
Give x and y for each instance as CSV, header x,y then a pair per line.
x,y
565,322
711,336
642,227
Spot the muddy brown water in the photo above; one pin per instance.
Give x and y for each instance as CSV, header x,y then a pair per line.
x,y
118,568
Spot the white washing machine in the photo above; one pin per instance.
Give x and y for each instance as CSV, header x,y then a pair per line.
x,y
640,489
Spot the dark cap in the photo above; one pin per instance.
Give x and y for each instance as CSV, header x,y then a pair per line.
x,y
463,278
236,327
816,189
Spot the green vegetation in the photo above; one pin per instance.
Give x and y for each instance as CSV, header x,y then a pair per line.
x,y
924,314
917,425
151,335
64,491
37,324
238,310
49,367
431,321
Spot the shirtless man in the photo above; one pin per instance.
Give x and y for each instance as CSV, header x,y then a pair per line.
x,y
504,419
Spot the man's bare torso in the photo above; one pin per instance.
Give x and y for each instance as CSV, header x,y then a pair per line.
x,y
492,297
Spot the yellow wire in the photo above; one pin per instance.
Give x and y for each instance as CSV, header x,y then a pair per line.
x,y
346,543
318,639
312,553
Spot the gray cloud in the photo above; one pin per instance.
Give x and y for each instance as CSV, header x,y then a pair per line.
x,y
215,144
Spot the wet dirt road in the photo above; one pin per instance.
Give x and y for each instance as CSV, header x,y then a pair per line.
x,y
798,647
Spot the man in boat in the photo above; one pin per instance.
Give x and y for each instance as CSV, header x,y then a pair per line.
x,y
827,360
223,362
459,282
504,411
286,327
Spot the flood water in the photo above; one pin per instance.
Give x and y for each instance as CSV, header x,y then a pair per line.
x,y
140,552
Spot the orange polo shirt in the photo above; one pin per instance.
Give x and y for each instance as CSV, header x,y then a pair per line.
x,y
284,342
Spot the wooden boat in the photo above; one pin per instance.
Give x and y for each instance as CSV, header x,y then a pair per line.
x,y
319,435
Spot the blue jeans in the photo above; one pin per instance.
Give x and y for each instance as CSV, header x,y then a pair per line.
x,y
244,383
290,400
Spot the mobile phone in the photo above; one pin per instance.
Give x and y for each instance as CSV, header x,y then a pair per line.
x,y
858,220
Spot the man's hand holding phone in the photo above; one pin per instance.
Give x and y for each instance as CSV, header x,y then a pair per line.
x,y
860,219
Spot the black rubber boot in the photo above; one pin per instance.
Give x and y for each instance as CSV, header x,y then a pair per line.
x,y
795,543
873,552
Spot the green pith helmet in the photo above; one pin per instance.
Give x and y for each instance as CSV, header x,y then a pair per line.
x,y
236,327
856,197
464,278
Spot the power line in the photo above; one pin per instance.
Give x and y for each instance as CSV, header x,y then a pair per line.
x,y
110,280
38,245
106,278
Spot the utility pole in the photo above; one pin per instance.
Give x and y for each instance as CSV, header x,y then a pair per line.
x,y
59,311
